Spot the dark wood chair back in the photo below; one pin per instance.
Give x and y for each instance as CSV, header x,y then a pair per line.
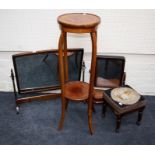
x,y
109,74
109,71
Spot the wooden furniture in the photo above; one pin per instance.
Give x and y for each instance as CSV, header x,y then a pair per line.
x,y
121,110
37,74
76,23
109,74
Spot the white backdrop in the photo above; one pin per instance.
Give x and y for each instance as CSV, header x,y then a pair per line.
x,y
130,33
121,31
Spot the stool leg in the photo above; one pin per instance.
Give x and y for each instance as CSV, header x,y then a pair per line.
x,y
104,108
118,123
140,114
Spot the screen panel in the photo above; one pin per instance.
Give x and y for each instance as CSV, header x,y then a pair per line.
x,y
40,71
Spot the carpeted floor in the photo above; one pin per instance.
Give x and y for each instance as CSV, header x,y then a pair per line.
x,y
37,124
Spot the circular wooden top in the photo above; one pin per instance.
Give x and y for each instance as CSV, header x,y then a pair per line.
x,y
76,90
79,20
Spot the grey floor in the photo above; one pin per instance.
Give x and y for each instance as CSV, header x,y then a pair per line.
x,y
37,124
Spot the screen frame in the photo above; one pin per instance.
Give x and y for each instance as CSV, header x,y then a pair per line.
x,y
42,88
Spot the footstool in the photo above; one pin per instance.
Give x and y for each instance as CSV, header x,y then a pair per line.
x,y
120,109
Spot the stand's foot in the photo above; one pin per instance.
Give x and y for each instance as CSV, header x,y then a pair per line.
x,y
61,122
90,121
90,128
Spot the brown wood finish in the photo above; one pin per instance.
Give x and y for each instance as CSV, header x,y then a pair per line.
x,y
77,23
98,95
62,80
35,98
78,20
111,83
65,57
76,91
108,83
92,77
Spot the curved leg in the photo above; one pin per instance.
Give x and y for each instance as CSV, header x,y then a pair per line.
x,y
62,79
61,122
90,118
65,57
93,108
91,81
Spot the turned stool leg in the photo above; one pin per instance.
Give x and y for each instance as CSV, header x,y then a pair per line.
x,y
140,114
118,123
104,108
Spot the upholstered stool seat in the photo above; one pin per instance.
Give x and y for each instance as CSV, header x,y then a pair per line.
x,y
121,109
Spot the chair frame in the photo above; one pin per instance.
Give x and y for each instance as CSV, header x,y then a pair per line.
x,y
123,74
113,58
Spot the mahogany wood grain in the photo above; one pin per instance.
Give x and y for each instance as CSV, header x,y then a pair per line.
x,y
98,95
79,20
77,91
77,23
35,98
62,80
